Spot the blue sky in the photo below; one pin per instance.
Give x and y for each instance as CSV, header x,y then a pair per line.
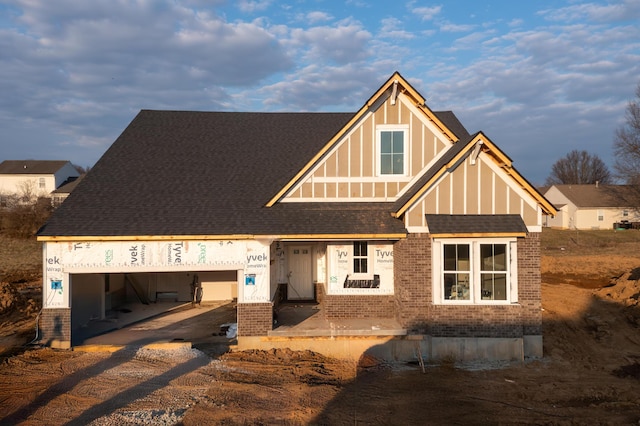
x,y
540,78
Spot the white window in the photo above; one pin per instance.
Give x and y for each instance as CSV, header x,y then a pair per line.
x,y
41,182
392,151
482,271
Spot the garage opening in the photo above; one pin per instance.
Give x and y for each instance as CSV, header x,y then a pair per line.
x,y
103,302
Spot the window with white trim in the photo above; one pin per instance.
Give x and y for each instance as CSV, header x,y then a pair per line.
x,y
493,271
42,183
456,271
392,151
480,271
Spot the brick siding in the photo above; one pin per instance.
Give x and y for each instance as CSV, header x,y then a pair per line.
x,y
55,324
412,272
255,319
529,289
417,313
355,306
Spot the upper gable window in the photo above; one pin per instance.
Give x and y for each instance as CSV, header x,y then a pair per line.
x,y
392,151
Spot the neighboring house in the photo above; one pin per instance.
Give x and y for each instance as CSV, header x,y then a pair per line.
x,y
392,215
30,179
593,206
61,194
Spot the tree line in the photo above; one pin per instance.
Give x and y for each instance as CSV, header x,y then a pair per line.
x,y
581,167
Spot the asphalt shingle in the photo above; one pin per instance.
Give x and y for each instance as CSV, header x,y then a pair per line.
x,y
210,173
475,224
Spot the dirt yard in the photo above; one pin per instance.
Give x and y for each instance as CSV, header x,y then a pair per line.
x,y
590,373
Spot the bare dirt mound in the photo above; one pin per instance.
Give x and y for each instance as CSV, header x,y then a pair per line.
x,y
587,271
17,319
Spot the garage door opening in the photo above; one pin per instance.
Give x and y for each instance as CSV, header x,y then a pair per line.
x,y
102,303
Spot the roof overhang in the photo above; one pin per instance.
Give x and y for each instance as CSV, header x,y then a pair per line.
x,y
282,237
481,225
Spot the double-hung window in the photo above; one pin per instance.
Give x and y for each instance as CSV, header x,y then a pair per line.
x,y
493,272
482,271
392,151
456,273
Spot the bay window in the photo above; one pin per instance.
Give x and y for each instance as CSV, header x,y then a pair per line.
x,y
481,271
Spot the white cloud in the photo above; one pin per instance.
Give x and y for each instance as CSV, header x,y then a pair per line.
x,y
448,27
251,6
426,13
318,87
516,22
471,41
84,69
626,10
392,28
341,44
317,16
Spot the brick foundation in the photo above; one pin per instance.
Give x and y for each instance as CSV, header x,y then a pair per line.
x,y
255,319
55,326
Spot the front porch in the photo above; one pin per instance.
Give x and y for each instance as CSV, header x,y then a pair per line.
x,y
308,320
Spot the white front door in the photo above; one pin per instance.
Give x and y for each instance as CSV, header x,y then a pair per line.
x,y
300,274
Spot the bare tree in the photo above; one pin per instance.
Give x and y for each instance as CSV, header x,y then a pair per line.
x,y
579,167
626,144
82,170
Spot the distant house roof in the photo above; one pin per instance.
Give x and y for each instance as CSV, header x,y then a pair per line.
x,y
31,167
601,195
68,185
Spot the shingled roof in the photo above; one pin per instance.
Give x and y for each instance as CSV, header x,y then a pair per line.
x,y
211,173
31,167
601,195
461,224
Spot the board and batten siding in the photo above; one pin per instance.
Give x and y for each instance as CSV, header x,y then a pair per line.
x,y
349,171
480,188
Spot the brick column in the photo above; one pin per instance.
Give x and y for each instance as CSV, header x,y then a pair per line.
x,y
255,319
412,275
529,283
55,327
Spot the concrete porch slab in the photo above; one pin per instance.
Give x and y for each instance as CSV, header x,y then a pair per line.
x,y
308,320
